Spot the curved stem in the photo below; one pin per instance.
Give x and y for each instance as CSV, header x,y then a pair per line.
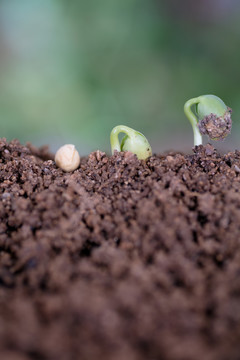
x,y
193,120
114,141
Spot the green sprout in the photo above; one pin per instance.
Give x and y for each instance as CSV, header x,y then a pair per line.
x,y
133,141
212,117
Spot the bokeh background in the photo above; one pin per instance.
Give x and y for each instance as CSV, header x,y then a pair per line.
x,y
70,70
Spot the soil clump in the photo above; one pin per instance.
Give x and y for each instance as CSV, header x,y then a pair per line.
x,y
217,128
120,259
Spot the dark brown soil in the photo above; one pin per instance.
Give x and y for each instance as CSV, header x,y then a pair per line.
x,y
121,259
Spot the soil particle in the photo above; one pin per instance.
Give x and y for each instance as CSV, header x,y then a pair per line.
x,y
120,259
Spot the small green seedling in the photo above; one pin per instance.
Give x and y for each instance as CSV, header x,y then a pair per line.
x,y
212,117
133,141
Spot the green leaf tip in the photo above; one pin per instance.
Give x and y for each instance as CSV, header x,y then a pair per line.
x,y
133,141
212,117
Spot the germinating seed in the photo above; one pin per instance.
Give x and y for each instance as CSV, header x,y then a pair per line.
x,y
133,141
67,158
211,117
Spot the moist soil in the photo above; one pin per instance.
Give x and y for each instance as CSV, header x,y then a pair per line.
x,y
121,259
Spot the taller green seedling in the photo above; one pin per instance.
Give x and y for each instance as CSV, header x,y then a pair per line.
x,y
211,117
133,141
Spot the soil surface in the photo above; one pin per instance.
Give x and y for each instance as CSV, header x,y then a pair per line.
x,y
121,259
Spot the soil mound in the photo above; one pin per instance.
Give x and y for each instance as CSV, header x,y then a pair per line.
x,y
121,259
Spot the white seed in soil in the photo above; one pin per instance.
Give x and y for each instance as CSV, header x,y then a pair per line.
x,y
67,158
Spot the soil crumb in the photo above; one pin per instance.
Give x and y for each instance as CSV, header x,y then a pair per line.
x,y
217,128
120,259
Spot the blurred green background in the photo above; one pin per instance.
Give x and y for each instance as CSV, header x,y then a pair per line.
x,y
71,70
